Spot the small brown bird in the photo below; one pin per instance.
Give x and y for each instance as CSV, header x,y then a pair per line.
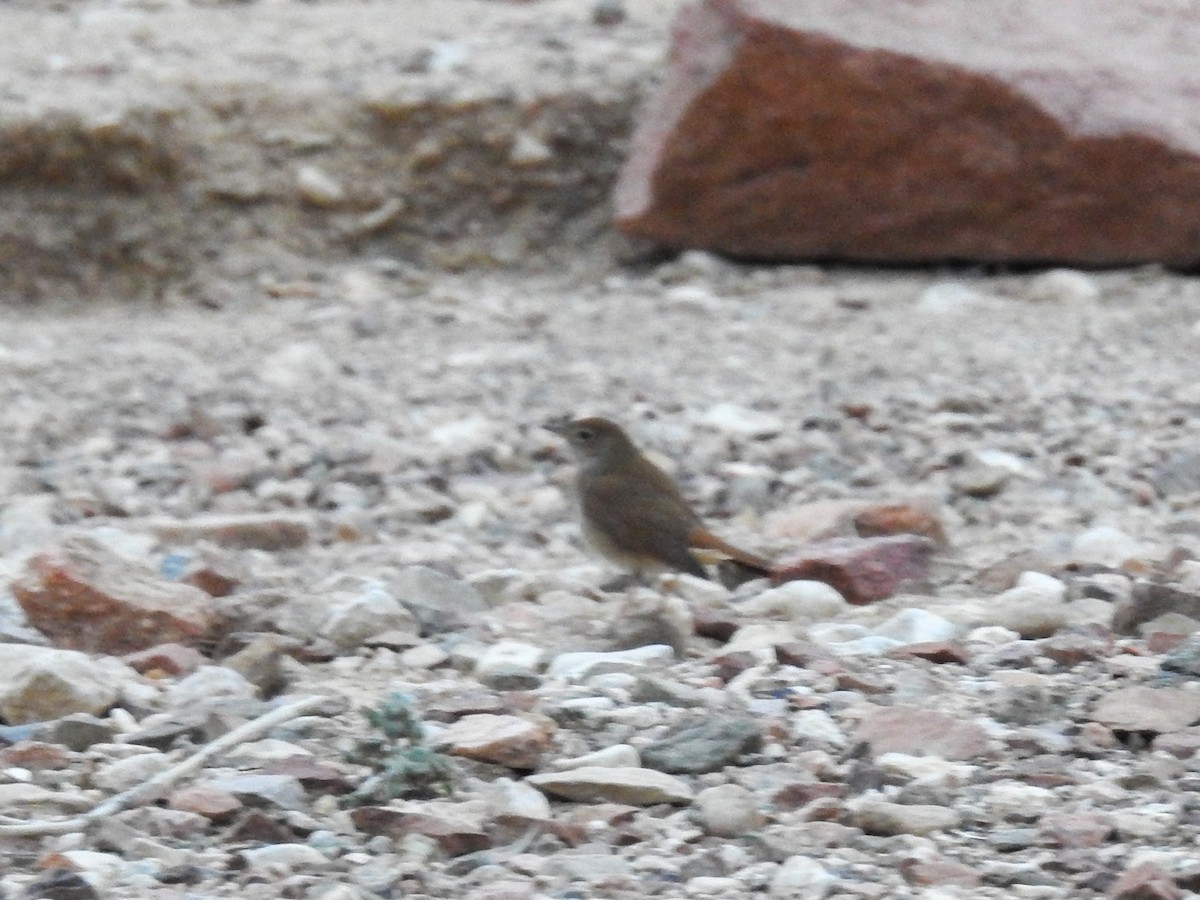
x,y
632,513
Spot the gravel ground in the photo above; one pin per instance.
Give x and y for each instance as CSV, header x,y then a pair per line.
x,y
1045,419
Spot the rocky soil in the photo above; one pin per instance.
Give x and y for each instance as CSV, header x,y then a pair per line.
x,y
333,492
356,470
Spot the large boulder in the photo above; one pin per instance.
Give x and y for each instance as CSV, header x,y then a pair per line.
x,y
872,130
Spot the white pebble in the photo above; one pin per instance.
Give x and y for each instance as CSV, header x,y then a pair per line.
x,y
799,601
801,877
949,297
912,626
1063,286
318,187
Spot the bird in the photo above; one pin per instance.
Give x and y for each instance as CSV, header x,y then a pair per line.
x,y
632,513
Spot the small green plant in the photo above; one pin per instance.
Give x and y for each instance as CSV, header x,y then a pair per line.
x,y
403,765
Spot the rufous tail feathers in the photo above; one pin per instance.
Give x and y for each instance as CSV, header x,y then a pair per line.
x,y
704,540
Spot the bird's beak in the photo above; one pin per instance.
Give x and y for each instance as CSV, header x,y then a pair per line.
x,y
558,424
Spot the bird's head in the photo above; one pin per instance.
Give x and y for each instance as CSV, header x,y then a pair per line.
x,y
594,441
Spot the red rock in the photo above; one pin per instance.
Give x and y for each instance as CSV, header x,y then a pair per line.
x,y
455,838
910,132
731,665
800,653
86,597
901,518
852,681
940,871
863,570
717,624
258,827
1159,642
610,814
249,531
211,580
36,756
1144,882
577,824
794,796
214,805
823,809
921,732
1072,648
505,740
1074,830
940,652
167,659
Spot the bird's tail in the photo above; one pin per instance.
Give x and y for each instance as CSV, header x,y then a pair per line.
x,y
712,549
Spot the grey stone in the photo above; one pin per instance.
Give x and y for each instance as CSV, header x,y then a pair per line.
x,y
591,784
1184,657
704,747
877,816
78,731
440,602
282,791
356,617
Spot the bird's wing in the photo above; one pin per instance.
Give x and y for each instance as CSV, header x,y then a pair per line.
x,y
652,523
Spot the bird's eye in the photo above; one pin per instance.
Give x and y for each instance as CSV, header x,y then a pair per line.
x,y
584,434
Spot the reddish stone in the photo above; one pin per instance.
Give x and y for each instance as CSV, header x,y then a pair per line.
x,y
36,756
1076,830
212,581
938,872
800,654
215,805
799,794
921,732
717,624
86,597
909,132
249,531
167,659
505,740
1160,642
454,838
823,809
258,827
1144,882
940,652
852,681
1070,649
863,570
611,814
731,665
880,521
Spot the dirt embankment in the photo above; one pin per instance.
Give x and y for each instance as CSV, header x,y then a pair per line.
x,y
156,149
